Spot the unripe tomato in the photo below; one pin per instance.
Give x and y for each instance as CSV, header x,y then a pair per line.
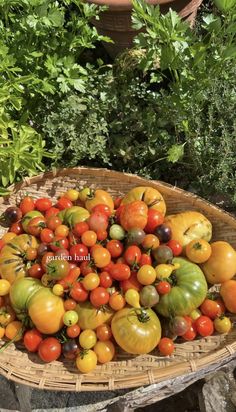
x,y
70,318
222,324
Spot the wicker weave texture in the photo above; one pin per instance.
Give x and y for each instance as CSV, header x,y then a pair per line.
x,y
126,371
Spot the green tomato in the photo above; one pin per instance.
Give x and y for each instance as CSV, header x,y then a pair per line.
x,y
225,5
117,232
70,318
28,217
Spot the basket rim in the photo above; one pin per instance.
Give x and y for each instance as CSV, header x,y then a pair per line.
x,y
145,377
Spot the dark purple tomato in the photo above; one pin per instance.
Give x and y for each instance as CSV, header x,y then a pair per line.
x,y
135,236
12,214
163,233
43,248
70,349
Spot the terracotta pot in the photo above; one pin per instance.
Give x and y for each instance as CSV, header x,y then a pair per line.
x,y
116,21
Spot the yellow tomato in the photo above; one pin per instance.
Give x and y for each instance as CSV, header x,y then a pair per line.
x,y
8,237
14,330
132,298
222,324
146,275
87,339
86,361
58,290
105,351
72,195
4,287
91,281
164,270
198,251
221,266
2,332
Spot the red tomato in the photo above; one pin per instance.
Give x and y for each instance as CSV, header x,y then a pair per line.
x,y
32,339
27,204
49,349
80,228
145,260
104,332
166,346
118,213
70,304
51,212
108,267
211,308
47,257
63,203
17,228
103,209
2,243
86,268
204,326
155,218
59,243
98,221
105,279
120,271
117,202
43,204
53,222
77,252
46,236
73,331
36,225
99,297
191,333
132,255
115,248
131,283
36,271
102,235
78,292
175,246
163,287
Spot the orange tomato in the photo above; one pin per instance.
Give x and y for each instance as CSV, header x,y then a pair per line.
x,y
105,351
101,257
228,294
117,301
89,238
98,197
198,251
221,266
150,242
14,330
134,215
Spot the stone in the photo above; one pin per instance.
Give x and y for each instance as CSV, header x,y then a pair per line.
x,y
217,393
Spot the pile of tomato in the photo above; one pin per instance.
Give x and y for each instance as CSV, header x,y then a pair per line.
x,y
88,273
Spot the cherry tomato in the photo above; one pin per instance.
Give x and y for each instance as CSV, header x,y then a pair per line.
x,y
36,225
166,346
72,238
77,252
102,209
91,281
105,351
191,333
99,297
132,255
17,228
58,269
42,249
72,195
105,279
89,238
2,332
150,242
47,257
204,326
146,275
62,254
36,271
27,204
131,283
175,247
101,235
51,212
32,339
115,248
70,304
163,287
78,292
108,267
145,260
59,242
155,218
58,290
117,202
120,271
104,332
86,361
80,228
117,301
64,203
211,308
14,330
86,268
46,236
4,287
98,221
222,324
87,339
49,349
53,222
198,251
43,204
73,331
31,253
101,257
70,318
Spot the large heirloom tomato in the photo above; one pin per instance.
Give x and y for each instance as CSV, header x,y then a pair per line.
x,y
134,215
99,197
73,215
188,292
12,257
148,195
189,225
31,300
228,294
221,266
136,331
91,317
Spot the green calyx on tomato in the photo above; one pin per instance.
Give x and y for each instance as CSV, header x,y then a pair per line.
x,y
188,292
28,217
58,268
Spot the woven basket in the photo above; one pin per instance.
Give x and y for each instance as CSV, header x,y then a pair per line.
x,y
125,371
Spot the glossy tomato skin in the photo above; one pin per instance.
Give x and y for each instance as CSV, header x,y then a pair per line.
x,y
120,271
78,292
175,246
27,204
211,308
155,218
43,204
198,251
52,211
105,279
32,339
103,209
228,294
99,297
99,197
132,255
64,203
115,248
134,335
166,346
149,195
204,326
131,283
145,259
49,349
189,292
134,215
59,242
221,266
90,317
